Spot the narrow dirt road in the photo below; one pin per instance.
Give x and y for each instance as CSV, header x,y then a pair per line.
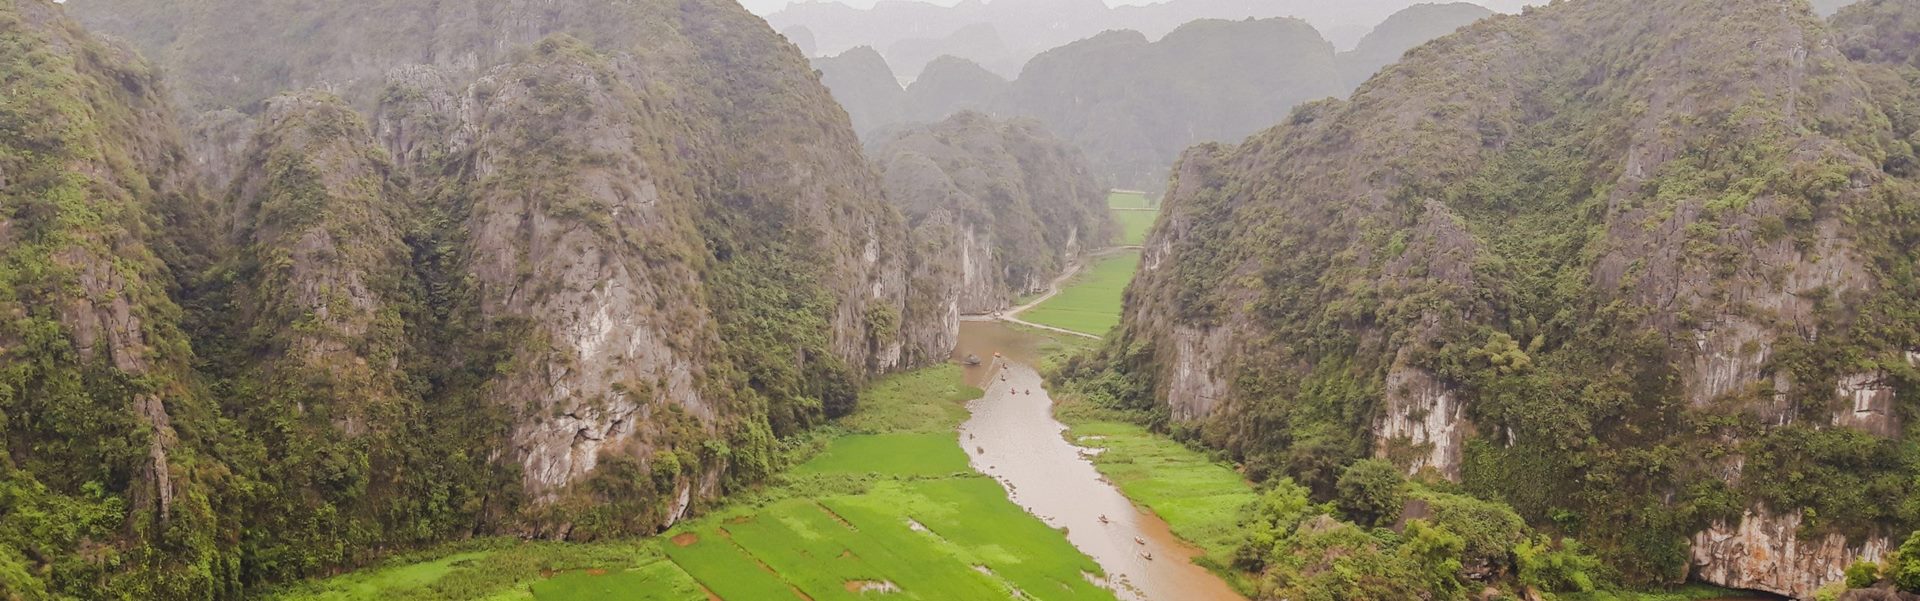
x,y
1053,289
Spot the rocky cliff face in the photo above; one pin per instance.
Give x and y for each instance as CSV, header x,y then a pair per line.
x,y
103,464
1766,552
611,353
1014,205
1557,256
541,288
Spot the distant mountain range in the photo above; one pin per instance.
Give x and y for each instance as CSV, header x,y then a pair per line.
x,y
1004,34
1131,102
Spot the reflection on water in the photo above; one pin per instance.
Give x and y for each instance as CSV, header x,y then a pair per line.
x,y
1014,438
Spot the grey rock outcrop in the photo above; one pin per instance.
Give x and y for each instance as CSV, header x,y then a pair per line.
x,y
1764,551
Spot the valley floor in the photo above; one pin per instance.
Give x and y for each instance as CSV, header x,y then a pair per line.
x,y
887,503
1090,301
884,501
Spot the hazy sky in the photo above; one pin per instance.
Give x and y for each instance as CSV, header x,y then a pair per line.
x,y
763,7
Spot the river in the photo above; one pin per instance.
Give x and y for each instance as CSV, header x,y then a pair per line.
x,y
1014,438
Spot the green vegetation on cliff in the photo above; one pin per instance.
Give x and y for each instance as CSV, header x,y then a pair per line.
x,y
109,486
571,305
1635,269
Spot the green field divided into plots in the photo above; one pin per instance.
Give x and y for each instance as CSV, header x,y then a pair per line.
x,y
886,504
1091,301
1135,213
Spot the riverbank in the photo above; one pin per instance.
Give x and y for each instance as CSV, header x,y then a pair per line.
x,y
881,500
1203,499
1014,437
1200,499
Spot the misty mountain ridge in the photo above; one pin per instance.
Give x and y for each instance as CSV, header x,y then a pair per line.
x,y
1132,102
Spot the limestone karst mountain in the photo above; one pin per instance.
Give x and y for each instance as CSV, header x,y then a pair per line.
x,y
1642,270
952,85
1025,28
980,44
509,271
1133,104
107,432
1401,32
865,85
1013,204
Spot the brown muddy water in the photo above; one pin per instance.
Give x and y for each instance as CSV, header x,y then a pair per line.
x,y
1013,437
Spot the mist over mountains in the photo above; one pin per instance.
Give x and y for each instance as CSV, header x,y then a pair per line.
x,y
1132,102
1027,27
549,299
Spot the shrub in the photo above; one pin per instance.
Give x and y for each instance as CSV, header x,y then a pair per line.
x,y
1490,529
1830,591
1269,520
1371,492
1564,569
1434,554
1906,565
1862,574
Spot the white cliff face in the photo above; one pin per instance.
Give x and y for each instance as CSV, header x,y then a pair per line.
x,y
982,290
1763,552
1866,404
1424,426
1197,385
1730,357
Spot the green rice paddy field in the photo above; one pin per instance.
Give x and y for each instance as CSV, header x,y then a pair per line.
x,y
1091,301
888,504
1136,215
1128,200
1134,226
